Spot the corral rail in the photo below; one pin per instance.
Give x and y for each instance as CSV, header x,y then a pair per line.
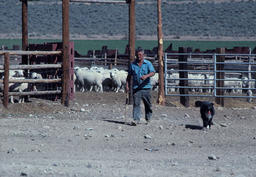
x,y
7,67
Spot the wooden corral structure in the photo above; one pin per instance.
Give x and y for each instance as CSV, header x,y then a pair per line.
x,y
7,67
66,65
53,59
234,50
65,46
112,57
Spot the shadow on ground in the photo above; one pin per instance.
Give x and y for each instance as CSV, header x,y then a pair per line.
x,y
194,127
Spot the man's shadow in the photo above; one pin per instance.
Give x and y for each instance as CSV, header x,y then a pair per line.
x,y
193,127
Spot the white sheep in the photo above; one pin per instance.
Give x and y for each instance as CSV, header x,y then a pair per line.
x,y
74,79
89,78
12,73
107,82
154,81
79,81
119,79
249,94
173,82
209,82
16,73
35,75
196,80
18,87
233,84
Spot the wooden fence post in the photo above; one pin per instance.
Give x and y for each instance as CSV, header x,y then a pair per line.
x,y
25,31
105,59
183,75
66,53
93,54
115,61
110,66
6,79
220,75
24,20
161,95
132,31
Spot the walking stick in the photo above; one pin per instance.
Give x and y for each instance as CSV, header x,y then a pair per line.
x,y
126,105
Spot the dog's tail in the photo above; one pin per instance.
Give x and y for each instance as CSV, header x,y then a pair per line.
x,y
198,103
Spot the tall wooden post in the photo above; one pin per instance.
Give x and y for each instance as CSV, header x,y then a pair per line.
x,y
6,79
220,75
65,43
115,61
183,77
24,31
105,59
132,30
24,26
131,40
24,20
161,96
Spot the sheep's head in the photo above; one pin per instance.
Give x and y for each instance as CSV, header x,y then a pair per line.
x,y
111,75
19,73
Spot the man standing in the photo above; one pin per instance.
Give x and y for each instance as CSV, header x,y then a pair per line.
x,y
140,70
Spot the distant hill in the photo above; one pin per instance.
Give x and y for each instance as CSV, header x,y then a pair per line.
x,y
206,19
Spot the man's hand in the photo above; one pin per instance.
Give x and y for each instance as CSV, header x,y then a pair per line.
x,y
144,77
128,79
147,75
127,88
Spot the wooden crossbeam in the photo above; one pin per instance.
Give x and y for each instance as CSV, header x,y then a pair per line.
x,y
43,66
46,81
21,52
50,92
99,1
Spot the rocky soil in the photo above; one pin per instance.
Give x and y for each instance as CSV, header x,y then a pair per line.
x,y
93,137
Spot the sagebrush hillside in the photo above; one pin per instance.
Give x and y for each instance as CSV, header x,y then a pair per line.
x,y
180,18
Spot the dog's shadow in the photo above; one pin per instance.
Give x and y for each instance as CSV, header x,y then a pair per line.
x,y
193,127
118,122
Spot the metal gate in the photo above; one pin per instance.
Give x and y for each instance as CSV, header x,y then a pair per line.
x,y
210,75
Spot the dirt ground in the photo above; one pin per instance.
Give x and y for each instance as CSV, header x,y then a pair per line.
x,y
92,138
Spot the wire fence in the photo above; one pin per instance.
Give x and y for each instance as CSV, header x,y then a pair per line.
x,y
210,75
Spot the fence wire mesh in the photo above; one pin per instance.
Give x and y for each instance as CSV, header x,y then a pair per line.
x,y
200,76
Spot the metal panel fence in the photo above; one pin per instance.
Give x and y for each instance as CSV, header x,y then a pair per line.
x,y
216,75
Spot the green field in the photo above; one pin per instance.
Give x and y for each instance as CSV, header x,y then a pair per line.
x,y
82,46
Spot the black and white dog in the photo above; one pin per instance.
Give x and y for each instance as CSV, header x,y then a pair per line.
x,y
207,112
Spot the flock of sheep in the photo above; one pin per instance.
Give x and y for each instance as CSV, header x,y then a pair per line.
x,y
19,87
15,87
199,82
85,79
100,79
